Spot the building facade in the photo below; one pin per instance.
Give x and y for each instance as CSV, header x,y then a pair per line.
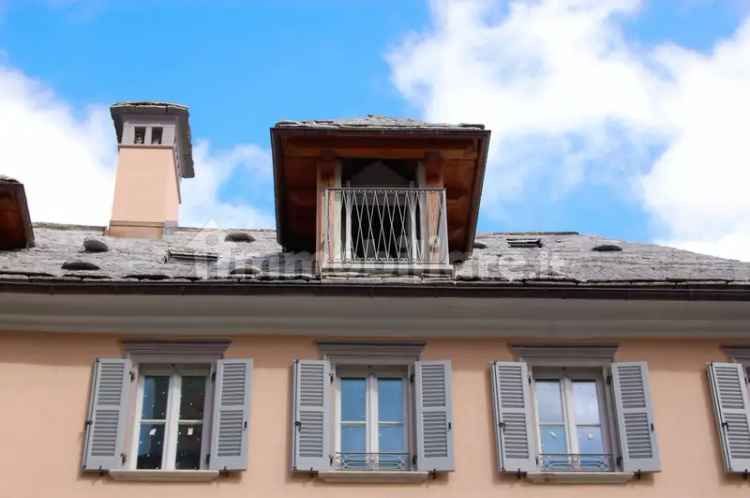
x,y
372,344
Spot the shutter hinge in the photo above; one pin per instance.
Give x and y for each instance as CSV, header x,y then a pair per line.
x,y
529,379
501,425
298,425
132,375
213,376
609,380
414,460
725,425
208,458
124,458
411,378
652,427
331,377
330,459
450,425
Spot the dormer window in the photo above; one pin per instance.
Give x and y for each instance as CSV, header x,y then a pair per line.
x,y
378,194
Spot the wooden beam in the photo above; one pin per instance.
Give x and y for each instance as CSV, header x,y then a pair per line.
x,y
380,152
328,176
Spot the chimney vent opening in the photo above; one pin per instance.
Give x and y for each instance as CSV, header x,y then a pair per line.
x,y
140,135
156,134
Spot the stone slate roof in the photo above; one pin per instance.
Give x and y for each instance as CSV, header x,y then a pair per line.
x,y
374,122
526,259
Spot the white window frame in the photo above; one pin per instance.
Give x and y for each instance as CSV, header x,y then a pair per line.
x,y
566,376
372,373
175,371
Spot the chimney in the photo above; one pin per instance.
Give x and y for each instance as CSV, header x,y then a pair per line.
x,y
154,154
16,231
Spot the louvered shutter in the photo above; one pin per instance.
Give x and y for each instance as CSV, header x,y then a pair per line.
x,y
635,421
731,407
513,417
311,417
231,415
434,424
105,426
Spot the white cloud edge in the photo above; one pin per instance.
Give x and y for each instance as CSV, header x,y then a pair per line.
x,y
556,68
66,161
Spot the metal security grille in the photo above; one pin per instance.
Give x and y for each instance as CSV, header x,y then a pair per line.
x,y
372,461
571,462
385,226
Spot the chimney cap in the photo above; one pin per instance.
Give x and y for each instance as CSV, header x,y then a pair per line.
x,y
118,109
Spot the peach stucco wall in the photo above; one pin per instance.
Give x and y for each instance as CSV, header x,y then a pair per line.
x,y
44,383
145,185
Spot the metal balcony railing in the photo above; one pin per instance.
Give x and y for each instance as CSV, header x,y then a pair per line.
x,y
576,462
371,461
385,227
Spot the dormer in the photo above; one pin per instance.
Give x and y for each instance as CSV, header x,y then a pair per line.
x,y
378,194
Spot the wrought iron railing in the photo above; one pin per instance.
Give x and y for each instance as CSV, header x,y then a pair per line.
x,y
576,462
385,226
371,461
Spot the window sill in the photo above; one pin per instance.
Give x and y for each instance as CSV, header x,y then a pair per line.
x,y
165,475
580,477
373,476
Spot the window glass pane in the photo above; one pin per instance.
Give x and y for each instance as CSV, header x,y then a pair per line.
x,y
553,439
193,395
549,401
391,400
353,438
150,446
590,439
189,446
353,399
590,442
586,402
391,438
155,391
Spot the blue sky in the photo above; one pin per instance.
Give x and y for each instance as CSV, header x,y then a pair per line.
x,y
605,162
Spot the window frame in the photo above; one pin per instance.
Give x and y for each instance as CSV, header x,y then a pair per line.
x,y
372,423
172,421
567,375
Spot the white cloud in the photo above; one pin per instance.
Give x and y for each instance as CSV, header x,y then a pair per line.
x,y
66,160
201,203
568,97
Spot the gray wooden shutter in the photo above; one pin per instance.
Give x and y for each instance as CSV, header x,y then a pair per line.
x,y
635,420
231,415
434,424
311,416
729,390
105,426
513,417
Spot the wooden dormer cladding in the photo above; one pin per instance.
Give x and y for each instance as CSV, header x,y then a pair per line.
x,y
308,156
16,231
